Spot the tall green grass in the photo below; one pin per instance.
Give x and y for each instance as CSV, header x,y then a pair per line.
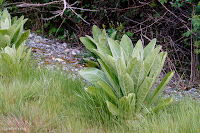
x,y
42,100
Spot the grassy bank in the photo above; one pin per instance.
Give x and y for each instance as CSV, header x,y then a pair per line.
x,y
42,100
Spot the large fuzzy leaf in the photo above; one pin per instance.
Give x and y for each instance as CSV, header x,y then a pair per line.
x,y
5,15
23,38
14,19
106,60
26,58
127,103
112,64
115,48
126,44
130,65
108,90
94,75
156,65
139,47
91,63
148,62
5,24
142,92
5,20
92,90
103,38
112,108
17,34
136,53
121,66
113,35
163,104
88,43
11,31
111,77
6,59
137,73
5,41
126,83
100,47
149,48
96,33
161,87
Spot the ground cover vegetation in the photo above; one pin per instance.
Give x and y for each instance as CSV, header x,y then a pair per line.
x,y
118,100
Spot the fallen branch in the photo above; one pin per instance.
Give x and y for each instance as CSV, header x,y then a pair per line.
x,y
59,12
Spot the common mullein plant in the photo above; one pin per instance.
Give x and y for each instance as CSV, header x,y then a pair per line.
x,y
12,60
126,75
11,30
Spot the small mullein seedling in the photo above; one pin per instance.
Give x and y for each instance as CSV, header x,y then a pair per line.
x,y
11,30
126,76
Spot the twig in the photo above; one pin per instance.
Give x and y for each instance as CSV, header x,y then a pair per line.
x,y
60,26
151,24
58,13
37,5
134,6
75,12
175,15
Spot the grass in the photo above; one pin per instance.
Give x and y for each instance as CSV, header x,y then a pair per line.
x,y
42,100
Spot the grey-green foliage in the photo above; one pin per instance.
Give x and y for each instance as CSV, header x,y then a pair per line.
x,y
11,30
12,60
127,75
99,41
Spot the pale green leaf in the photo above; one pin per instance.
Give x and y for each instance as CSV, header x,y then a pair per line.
x,y
113,35
126,44
113,66
27,57
143,92
108,90
130,65
11,30
126,83
92,90
100,47
163,104
6,24
5,41
137,73
88,43
111,77
96,33
138,47
91,63
115,48
148,62
136,54
23,38
154,95
112,108
149,48
94,75
127,102
121,66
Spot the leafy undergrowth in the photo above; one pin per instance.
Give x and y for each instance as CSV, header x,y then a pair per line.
x,y
42,100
